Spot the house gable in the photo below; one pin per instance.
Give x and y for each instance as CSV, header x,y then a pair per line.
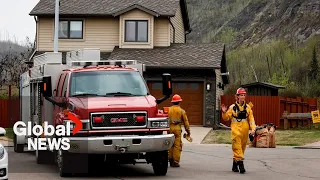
x,y
103,24
130,23
136,6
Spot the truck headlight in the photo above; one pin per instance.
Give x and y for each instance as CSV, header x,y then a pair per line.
x,y
1,152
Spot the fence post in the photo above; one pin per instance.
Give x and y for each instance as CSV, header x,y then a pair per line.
x,y
285,119
9,91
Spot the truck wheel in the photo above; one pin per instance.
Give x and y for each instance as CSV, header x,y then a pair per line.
x,y
18,148
160,163
44,157
64,163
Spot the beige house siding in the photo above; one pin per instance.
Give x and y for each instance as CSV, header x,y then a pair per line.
x,y
97,33
136,15
219,92
161,32
177,22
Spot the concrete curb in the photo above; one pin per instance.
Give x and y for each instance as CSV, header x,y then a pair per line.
x,y
291,147
6,139
6,142
307,147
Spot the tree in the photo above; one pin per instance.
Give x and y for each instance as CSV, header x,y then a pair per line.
x,y
314,71
12,63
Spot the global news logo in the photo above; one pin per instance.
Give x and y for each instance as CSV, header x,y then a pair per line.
x,y
41,132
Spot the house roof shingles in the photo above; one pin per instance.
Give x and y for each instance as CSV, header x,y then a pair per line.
x,y
104,7
177,55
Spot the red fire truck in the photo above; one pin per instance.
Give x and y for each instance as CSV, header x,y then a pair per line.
x,y
121,122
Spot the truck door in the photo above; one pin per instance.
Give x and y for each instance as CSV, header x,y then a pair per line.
x,y
58,96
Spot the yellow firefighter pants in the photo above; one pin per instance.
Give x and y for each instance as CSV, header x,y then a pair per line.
x,y
175,150
239,134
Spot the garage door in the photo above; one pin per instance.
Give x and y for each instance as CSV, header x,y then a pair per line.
x,y
190,92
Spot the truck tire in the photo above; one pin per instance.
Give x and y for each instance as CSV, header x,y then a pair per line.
x,y
18,148
44,157
64,163
160,163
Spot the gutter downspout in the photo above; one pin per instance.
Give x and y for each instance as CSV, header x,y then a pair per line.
x,y
36,36
185,35
174,31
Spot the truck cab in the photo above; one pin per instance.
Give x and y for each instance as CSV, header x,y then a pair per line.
x,y
120,119
107,97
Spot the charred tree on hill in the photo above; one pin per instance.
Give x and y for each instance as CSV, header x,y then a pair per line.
x,y
12,62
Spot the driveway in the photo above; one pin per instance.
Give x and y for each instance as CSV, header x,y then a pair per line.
x,y
198,161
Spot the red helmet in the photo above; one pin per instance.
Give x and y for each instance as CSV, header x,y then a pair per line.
x,y
176,98
241,91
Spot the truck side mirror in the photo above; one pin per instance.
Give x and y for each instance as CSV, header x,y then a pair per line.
x,y
166,84
166,87
45,87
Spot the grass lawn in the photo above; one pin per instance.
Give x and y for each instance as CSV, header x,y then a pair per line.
x,y
4,90
297,137
9,133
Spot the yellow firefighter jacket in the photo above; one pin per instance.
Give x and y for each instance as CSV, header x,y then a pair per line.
x,y
232,115
242,119
177,117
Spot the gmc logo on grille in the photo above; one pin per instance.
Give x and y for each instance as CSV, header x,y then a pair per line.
x,y
118,120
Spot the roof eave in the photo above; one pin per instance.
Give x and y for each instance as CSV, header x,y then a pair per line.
x,y
263,84
70,15
88,15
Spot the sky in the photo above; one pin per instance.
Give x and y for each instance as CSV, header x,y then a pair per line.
x,y
15,22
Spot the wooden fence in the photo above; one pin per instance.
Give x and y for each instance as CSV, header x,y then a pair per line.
x,y
269,109
9,112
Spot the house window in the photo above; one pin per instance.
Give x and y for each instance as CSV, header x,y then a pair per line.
x,y
136,31
70,29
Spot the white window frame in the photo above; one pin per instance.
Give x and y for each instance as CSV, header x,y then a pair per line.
x,y
124,42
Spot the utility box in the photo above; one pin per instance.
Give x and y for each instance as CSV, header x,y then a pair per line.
x,y
85,54
48,58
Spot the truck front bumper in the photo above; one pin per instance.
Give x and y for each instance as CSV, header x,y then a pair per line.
x,y
120,144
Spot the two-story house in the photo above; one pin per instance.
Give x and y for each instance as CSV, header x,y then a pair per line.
x,y
150,31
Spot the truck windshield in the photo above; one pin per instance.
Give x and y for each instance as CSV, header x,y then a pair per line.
x,y
108,83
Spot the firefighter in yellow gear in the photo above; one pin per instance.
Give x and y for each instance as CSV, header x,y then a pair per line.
x,y
177,117
241,116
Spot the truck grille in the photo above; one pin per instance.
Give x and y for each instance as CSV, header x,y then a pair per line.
x,y
118,119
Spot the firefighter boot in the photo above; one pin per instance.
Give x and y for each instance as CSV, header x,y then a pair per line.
x,y
174,164
235,166
171,161
241,167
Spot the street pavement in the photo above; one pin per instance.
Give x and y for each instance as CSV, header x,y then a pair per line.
x,y
198,161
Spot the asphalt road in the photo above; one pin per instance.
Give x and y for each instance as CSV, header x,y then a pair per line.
x,y
197,162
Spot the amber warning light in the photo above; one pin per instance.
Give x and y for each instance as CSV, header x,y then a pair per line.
x,y
166,110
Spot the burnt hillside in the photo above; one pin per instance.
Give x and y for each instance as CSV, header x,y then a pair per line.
x,y
246,22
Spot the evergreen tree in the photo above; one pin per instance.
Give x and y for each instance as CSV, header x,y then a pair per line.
x,y
314,71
